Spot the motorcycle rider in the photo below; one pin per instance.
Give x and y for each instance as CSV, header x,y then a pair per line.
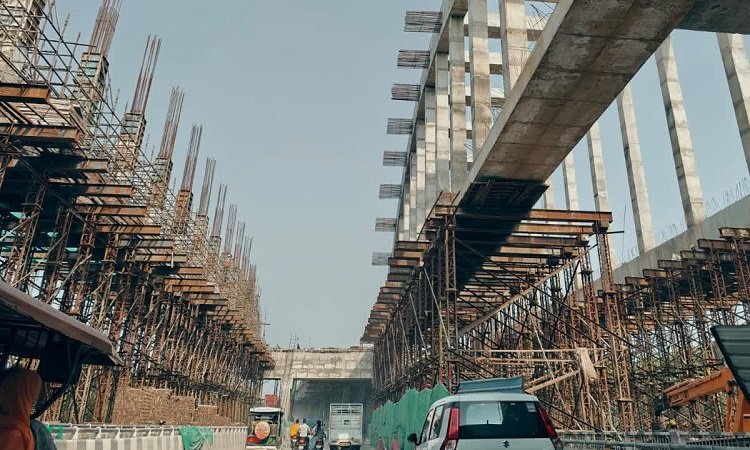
x,y
294,430
304,432
318,433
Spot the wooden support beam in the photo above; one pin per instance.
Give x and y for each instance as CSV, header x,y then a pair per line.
x,y
166,259
23,93
133,230
86,166
42,135
112,210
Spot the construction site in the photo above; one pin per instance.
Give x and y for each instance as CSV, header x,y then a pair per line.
x,y
91,226
488,279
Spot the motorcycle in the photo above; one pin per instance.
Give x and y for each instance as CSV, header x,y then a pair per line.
x,y
294,443
319,444
302,443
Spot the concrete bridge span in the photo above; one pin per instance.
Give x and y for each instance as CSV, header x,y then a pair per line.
x,y
311,379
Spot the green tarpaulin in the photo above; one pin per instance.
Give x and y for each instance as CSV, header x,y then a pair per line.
x,y
194,438
404,417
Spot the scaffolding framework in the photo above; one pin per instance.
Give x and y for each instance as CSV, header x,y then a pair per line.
x,y
493,288
89,224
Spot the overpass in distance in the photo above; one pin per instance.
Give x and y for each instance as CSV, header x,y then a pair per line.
x,y
482,283
311,379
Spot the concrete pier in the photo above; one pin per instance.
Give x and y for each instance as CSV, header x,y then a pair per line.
x,y
636,176
685,165
413,192
737,68
430,127
514,40
442,122
479,62
596,163
548,200
571,188
458,167
421,178
403,224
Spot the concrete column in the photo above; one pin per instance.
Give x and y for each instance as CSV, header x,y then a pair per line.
x,y
548,200
458,166
679,134
430,113
737,69
571,188
421,179
479,63
443,122
514,40
412,197
403,224
636,176
22,25
596,162
598,178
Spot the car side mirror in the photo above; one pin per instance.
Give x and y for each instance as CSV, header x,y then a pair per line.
x,y
412,438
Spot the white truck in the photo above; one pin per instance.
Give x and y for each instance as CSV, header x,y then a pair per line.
x,y
345,426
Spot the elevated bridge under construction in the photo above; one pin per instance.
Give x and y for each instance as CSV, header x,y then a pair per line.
x,y
487,278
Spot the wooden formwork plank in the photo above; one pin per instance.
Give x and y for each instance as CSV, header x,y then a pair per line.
x,y
42,135
143,230
112,210
23,93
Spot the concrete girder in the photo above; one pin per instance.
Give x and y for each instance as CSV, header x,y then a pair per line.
x,y
587,54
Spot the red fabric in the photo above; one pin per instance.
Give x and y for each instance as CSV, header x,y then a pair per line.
x,y
19,390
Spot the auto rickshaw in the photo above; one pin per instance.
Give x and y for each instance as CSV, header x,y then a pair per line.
x,y
57,344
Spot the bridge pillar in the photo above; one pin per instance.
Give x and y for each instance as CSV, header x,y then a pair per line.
x,y
598,178
679,134
479,64
571,188
596,162
514,40
421,180
548,200
430,118
636,175
458,168
21,19
412,206
403,224
443,122
737,68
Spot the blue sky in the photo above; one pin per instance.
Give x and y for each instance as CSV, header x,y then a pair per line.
x,y
294,96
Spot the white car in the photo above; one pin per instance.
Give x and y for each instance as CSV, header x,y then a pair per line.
x,y
487,419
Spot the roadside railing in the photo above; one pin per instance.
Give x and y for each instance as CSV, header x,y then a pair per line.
x,y
675,440
142,437
106,431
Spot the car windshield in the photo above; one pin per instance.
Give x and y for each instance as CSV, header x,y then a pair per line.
x,y
266,417
500,420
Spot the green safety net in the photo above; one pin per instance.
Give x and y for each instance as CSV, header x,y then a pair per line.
x,y
405,417
193,438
